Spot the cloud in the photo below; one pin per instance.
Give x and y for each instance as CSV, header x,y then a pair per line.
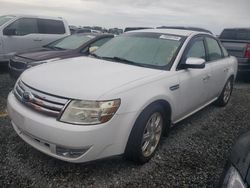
x,y
213,14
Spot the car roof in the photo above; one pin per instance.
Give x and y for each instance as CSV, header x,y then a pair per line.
x,y
185,28
181,32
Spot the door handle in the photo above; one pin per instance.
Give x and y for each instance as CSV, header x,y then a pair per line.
x,y
226,69
207,77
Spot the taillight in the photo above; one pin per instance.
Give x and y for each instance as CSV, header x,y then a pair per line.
x,y
247,55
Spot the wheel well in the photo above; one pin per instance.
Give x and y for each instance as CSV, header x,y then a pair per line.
x,y
166,106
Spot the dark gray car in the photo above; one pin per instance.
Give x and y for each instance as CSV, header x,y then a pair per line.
x,y
237,43
68,47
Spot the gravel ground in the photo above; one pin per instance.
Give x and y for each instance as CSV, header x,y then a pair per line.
x,y
193,155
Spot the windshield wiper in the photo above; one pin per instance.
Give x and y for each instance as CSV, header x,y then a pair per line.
x,y
96,56
126,61
119,59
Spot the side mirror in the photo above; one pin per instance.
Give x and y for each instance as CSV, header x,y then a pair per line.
x,y
92,49
9,32
194,63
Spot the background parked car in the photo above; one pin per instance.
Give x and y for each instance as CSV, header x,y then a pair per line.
x,y
237,43
19,33
236,173
70,46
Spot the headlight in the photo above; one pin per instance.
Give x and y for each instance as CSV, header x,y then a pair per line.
x,y
233,179
90,112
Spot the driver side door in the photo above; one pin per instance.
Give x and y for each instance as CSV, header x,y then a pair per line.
x,y
193,83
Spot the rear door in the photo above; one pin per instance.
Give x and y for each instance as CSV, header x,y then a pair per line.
x,y
219,67
50,30
25,38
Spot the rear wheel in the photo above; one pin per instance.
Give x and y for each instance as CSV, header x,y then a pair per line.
x,y
226,94
146,134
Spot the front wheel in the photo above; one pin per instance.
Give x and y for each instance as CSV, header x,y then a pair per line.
x,y
146,134
226,94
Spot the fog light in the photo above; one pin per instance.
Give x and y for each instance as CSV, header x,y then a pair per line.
x,y
70,153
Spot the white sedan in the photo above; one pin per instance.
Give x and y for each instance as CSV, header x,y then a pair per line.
x,y
123,98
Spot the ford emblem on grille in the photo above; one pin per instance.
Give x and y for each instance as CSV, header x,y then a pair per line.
x,y
27,96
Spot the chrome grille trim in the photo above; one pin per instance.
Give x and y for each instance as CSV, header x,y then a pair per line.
x,y
41,102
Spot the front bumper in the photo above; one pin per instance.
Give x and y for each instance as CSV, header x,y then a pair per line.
x,y
46,133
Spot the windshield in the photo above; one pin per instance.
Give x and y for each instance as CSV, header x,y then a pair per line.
x,y
4,19
149,49
71,42
236,34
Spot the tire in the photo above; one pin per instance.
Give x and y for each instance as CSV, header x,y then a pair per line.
x,y
225,94
145,136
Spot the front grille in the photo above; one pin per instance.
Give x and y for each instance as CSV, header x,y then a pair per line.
x,y
18,64
39,101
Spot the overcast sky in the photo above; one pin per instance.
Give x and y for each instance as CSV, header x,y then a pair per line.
x,y
210,14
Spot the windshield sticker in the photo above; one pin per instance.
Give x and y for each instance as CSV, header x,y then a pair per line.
x,y
169,37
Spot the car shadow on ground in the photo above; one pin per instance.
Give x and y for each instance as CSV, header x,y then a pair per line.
x,y
4,69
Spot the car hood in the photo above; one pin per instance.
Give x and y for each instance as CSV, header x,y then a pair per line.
x,y
43,54
83,77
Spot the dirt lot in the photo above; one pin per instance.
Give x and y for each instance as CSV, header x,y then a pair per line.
x,y
193,155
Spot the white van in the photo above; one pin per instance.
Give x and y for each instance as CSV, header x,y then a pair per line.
x,y
19,33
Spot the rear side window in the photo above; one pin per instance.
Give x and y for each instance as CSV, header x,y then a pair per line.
x,y
214,50
197,49
47,26
235,34
24,26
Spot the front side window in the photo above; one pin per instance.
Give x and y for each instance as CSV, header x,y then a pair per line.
x,y
5,19
225,53
149,49
47,26
214,50
71,42
197,49
24,26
